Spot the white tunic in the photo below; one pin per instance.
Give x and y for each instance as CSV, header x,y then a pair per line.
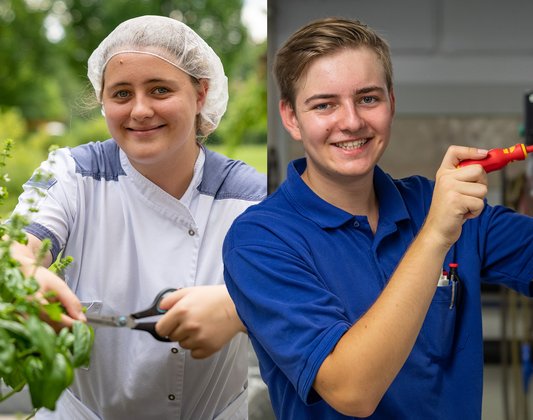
x,y
129,240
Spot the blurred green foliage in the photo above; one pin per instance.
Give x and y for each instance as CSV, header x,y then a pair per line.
x,y
44,91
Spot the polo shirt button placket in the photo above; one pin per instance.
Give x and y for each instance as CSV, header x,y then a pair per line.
x,y
171,397
174,350
355,224
191,232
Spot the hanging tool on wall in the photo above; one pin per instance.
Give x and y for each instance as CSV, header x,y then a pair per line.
x,y
528,117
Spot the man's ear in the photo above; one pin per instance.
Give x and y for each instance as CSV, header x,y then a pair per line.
x,y
290,120
392,99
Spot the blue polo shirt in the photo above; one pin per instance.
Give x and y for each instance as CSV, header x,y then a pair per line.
x,y
302,271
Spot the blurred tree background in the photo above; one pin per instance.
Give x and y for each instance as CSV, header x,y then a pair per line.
x,y
44,91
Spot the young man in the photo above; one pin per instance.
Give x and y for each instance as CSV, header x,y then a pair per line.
x,y
335,275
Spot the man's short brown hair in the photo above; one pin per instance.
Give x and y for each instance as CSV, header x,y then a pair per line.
x,y
320,38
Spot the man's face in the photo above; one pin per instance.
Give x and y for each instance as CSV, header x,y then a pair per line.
x,y
343,115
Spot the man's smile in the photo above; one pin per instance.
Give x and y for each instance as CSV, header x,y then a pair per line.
x,y
351,144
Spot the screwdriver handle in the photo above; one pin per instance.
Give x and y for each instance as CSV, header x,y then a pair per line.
x,y
498,158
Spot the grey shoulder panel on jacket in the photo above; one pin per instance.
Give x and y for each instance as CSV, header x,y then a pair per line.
x,y
225,178
99,160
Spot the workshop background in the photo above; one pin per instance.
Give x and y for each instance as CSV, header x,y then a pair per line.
x,y
461,73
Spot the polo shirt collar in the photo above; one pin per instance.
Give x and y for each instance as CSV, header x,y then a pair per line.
x,y
392,207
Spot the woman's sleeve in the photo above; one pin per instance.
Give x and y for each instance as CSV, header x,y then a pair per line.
x,y
49,199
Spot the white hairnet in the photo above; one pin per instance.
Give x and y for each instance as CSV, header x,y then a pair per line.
x,y
175,43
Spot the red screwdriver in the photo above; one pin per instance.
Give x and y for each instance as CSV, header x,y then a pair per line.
x,y
498,158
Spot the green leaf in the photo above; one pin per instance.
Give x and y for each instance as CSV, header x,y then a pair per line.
x,y
14,380
57,378
42,337
7,353
83,341
65,340
54,310
33,370
15,327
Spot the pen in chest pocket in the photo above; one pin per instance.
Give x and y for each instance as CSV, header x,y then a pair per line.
x,y
454,282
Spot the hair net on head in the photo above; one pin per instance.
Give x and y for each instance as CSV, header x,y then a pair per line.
x,y
175,43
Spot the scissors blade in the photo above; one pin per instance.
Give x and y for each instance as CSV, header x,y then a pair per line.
x,y
107,321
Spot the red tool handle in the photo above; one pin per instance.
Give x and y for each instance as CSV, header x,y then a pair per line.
x,y
498,158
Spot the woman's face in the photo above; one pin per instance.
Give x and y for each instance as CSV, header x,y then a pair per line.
x,y
150,109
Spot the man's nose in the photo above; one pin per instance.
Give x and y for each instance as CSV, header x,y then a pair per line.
x,y
350,118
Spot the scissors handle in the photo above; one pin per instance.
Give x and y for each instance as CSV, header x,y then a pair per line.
x,y
153,310
149,327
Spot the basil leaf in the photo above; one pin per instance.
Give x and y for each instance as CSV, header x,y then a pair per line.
x,y
59,376
42,337
83,341
7,353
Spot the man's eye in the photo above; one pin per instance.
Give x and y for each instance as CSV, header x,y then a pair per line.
x,y
368,99
321,107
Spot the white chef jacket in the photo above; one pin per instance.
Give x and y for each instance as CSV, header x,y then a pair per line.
x,y
129,240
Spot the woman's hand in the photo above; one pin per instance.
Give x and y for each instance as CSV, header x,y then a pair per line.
x,y
48,281
201,319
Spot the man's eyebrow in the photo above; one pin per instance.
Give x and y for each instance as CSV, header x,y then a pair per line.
x,y
320,96
362,91
370,89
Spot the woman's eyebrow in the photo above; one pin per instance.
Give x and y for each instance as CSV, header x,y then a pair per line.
x,y
118,84
167,81
145,82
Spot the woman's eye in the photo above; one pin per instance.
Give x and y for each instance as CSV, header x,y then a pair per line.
x,y
161,90
121,94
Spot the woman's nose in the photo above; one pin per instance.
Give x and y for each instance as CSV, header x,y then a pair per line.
x,y
141,108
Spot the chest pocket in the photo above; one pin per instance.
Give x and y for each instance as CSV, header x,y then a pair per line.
x,y
439,336
92,307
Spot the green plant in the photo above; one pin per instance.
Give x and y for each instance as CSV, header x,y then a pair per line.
x,y
31,352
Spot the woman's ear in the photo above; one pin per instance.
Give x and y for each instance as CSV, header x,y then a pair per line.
x,y
290,119
202,89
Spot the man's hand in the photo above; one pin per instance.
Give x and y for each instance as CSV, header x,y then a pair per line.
x,y
202,319
458,194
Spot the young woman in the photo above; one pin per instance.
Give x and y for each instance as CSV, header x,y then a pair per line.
x,y
146,210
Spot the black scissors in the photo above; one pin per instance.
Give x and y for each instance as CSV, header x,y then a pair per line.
x,y
130,321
